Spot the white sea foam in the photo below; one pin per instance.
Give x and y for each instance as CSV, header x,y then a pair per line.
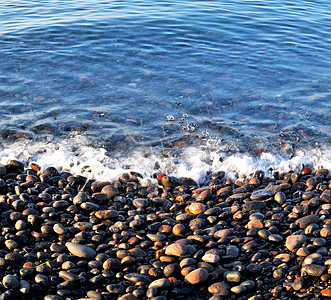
x,y
77,156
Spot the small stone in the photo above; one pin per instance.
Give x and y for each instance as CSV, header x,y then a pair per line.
x,y
140,202
294,242
298,283
218,287
127,296
176,249
275,238
160,283
10,282
80,250
326,292
254,205
42,280
59,228
260,195
254,224
232,251
197,208
249,284
68,276
106,214
178,229
10,244
110,190
115,288
24,287
313,270
302,252
211,258
111,264
233,276
325,232
100,198
197,276
280,197
238,289
223,233
189,261
283,257
307,220
312,259
135,277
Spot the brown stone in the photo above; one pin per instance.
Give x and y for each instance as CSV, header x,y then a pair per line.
x,y
197,276
176,249
196,208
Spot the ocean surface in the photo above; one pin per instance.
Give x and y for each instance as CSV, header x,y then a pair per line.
x,y
186,88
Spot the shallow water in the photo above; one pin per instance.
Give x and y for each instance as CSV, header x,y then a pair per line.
x,y
164,81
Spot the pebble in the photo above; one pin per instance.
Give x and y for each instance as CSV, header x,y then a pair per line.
x,y
313,269
10,282
160,283
307,220
135,277
254,205
66,237
294,242
233,276
197,276
312,259
80,250
59,228
211,258
196,208
176,249
218,287
238,289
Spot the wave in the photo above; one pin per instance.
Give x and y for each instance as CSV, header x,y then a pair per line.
x,y
79,154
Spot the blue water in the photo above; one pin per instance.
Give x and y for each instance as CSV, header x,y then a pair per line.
x,y
150,72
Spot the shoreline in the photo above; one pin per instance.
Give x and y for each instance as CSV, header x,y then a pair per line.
x,y
67,237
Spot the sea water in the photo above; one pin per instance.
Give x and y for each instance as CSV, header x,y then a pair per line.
x,y
185,88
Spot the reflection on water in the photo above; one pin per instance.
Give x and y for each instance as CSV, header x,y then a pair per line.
x,y
115,70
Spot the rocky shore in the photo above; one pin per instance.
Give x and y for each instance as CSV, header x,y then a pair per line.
x,y
66,237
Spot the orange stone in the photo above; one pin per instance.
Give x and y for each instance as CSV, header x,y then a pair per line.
x,y
160,176
178,229
165,229
306,171
35,167
326,292
254,181
196,208
179,198
31,178
159,253
167,259
28,264
172,279
292,215
254,224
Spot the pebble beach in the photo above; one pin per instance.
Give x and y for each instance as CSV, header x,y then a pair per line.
x,y
64,236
